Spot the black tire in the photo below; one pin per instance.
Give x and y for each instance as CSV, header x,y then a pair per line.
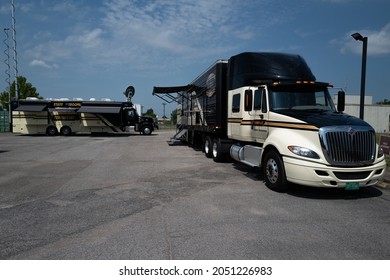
x,y
274,173
51,131
208,147
217,152
66,130
146,130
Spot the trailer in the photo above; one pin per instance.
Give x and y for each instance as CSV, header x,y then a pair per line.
x,y
267,110
53,117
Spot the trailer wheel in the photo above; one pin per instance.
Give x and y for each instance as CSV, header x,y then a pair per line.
x,y
208,147
274,173
51,131
66,130
217,153
146,130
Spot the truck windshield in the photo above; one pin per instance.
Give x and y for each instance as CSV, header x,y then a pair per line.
x,y
300,99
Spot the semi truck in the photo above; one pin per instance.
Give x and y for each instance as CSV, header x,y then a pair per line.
x,y
267,110
65,117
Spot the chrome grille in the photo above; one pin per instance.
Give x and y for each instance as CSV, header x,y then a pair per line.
x,y
348,145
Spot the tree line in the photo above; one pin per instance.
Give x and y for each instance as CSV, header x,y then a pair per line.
x,y
25,90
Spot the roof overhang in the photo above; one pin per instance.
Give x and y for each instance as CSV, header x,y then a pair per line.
x,y
167,93
31,108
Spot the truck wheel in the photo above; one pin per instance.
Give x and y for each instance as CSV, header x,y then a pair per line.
x,y
218,156
146,130
274,174
51,131
65,130
208,147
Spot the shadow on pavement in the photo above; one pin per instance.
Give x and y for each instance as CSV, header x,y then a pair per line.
x,y
312,192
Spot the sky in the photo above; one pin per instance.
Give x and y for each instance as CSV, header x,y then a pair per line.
x,y
96,49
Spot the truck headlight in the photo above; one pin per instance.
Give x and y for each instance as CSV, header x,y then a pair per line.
x,y
380,152
304,152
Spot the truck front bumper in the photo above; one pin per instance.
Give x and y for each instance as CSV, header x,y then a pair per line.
x,y
318,175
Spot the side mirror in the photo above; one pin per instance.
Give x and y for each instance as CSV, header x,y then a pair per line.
x,y
341,101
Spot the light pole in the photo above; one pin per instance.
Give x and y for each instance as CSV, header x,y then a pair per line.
x,y
359,37
164,104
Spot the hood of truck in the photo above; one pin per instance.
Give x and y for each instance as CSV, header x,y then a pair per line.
x,y
146,119
325,118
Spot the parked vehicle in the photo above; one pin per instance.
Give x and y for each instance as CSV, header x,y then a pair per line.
x,y
67,117
267,110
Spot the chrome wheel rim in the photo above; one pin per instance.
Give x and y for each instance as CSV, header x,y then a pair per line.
x,y
147,130
272,170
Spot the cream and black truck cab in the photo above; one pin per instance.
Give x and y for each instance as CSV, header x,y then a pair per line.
x,y
267,110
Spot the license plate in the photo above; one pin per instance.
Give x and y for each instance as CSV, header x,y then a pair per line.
x,y
352,186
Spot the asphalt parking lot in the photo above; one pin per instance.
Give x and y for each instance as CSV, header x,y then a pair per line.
x,y
135,197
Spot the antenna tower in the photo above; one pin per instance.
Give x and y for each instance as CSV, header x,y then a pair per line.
x,y
6,61
14,49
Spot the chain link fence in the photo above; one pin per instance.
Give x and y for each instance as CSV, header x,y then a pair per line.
x,y
4,121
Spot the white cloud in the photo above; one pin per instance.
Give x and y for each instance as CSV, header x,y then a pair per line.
x,y
138,33
41,63
88,39
63,6
25,7
176,26
149,34
378,42
70,49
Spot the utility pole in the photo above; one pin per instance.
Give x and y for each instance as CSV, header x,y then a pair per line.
x,y
8,75
14,49
164,116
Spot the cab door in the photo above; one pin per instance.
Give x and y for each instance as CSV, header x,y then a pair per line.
x,y
130,116
256,105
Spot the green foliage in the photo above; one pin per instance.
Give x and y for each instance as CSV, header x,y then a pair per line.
x,y
4,98
149,113
174,117
25,90
384,102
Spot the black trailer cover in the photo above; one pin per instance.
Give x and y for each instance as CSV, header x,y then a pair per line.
x,y
252,68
